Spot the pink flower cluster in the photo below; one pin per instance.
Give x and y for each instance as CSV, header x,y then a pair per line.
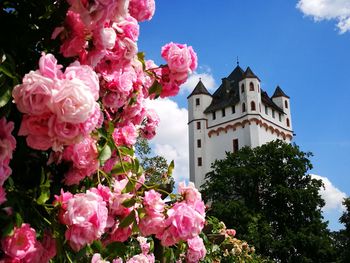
x,y
85,216
104,34
183,221
196,250
22,246
59,108
7,146
83,157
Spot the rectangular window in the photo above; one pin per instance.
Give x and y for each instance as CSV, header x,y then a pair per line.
x,y
199,143
235,145
223,113
233,109
214,115
266,110
273,114
197,102
198,125
199,161
279,116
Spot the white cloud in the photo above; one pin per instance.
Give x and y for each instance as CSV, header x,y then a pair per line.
x,y
328,9
207,79
171,140
332,195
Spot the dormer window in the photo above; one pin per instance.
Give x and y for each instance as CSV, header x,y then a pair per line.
x,y
197,102
266,110
288,124
223,113
280,116
273,114
252,106
286,104
242,88
243,107
214,115
251,86
233,109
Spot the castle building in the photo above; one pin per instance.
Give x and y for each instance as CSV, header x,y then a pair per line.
x,y
239,113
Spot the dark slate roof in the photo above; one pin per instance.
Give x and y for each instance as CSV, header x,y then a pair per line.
x,y
279,93
199,89
228,92
265,99
249,74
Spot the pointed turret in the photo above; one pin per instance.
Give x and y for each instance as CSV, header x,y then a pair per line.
x,y
199,89
279,93
249,74
236,74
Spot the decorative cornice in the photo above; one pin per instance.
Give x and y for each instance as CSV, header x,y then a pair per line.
x,y
257,121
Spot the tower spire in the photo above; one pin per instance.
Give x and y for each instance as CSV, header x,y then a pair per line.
x,y
237,61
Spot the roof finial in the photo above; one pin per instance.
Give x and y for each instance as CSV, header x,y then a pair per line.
x,y
200,79
237,61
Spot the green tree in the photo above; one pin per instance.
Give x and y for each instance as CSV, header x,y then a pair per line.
x,y
342,237
155,166
266,194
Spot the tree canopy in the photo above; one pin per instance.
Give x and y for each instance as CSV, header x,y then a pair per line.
x,y
267,195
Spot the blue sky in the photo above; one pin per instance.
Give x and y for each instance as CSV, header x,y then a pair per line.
x,y
284,45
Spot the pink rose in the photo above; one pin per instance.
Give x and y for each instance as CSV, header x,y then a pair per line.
x,y
128,27
48,66
179,57
7,141
153,202
120,234
86,75
86,217
142,9
74,102
97,258
75,31
196,250
190,193
141,258
183,223
2,195
21,243
152,224
125,135
104,38
34,95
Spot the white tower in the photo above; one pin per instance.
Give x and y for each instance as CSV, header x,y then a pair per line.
x,y
198,101
238,114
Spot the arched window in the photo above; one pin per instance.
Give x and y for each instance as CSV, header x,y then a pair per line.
x,y
252,106
243,107
286,104
288,124
242,88
251,86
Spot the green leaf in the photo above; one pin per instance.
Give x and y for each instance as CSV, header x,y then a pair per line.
x,y
97,246
105,154
110,128
44,189
156,88
126,151
129,202
115,249
121,168
128,220
6,71
8,229
171,168
141,212
129,187
5,98
18,219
